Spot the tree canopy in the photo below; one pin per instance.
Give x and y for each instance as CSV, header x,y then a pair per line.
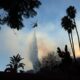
x,y
15,64
16,10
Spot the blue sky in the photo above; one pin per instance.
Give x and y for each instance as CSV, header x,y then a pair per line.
x,y
49,32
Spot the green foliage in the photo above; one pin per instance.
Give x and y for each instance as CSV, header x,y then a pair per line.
x,y
49,62
15,64
67,24
71,11
16,10
64,55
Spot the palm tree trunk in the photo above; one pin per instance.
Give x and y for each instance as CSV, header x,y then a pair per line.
x,y
73,48
78,37
15,68
70,42
77,33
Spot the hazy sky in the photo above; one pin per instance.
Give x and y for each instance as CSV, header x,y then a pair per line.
x,y
49,33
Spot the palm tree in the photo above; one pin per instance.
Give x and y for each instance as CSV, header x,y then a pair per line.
x,y
71,12
64,55
15,64
68,25
16,10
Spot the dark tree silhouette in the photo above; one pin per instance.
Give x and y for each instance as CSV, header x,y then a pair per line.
x,y
71,12
68,25
15,64
16,10
64,55
49,62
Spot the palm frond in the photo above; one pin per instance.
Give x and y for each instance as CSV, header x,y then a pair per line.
x,y
71,11
21,65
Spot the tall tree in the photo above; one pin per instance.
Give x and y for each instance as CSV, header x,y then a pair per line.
x,y
68,25
16,10
71,12
15,64
64,55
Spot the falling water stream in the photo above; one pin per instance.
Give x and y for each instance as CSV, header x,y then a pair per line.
x,y
34,51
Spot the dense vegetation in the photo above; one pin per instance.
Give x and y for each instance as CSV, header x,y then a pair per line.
x,y
50,67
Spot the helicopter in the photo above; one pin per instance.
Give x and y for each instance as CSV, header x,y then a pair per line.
x,y
35,25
